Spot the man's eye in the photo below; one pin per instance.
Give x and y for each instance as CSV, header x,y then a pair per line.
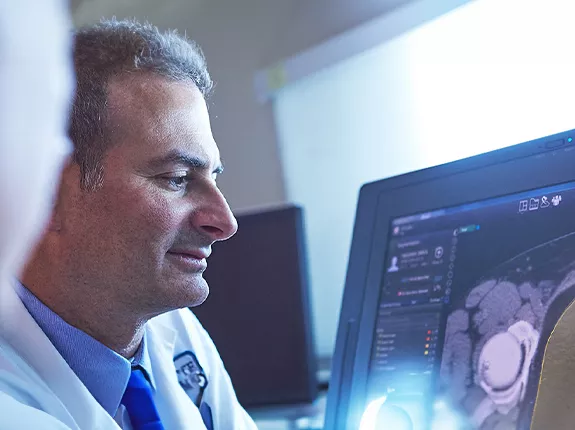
x,y
177,182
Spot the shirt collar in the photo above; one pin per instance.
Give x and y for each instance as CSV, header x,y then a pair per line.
x,y
142,360
104,372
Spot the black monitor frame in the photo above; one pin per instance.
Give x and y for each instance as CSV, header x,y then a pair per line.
x,y
531,165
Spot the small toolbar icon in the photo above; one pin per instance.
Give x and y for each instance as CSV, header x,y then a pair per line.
x,y
545,202
439,252
533,204
523,205
556,200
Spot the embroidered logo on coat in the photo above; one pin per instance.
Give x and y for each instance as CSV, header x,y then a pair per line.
x,y
191,376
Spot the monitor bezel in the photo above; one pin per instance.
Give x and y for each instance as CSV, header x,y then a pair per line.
x,y
519,168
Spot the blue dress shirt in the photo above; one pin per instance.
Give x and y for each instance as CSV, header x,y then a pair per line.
x,y
104,372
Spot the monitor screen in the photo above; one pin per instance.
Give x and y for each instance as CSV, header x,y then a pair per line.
x,y
464,304
457,276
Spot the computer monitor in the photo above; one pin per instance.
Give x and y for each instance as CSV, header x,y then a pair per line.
x,y
258,310
457,276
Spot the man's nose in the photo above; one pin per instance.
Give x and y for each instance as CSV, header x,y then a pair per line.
x,y
215,218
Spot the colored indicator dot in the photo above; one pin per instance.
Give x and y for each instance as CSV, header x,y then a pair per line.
x,y
570,139
426,353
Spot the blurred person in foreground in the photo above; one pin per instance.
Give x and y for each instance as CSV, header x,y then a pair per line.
x,y
35,94
106,294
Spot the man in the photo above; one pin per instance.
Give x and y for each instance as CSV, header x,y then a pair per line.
x,y
42,98
137,211
31,97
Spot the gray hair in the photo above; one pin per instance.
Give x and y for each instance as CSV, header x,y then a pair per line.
x,y
113,48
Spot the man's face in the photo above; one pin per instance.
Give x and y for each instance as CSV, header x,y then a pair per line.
x,y
143,238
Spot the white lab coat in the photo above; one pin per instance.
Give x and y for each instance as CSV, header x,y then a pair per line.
x,y
39,390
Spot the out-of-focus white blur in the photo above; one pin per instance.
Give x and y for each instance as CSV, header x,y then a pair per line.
x,y
382,415
35,94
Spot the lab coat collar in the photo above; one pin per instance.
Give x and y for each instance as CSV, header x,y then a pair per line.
x,y
163,337
20,331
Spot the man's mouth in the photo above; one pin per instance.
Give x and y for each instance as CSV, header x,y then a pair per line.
x,y
192,253
190,260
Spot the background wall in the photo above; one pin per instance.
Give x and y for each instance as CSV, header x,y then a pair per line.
x,y
240,37
489,74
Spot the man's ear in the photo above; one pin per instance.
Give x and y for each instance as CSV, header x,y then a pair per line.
x,y
68,187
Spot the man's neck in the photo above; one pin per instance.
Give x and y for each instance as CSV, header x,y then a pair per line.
x,y
83,308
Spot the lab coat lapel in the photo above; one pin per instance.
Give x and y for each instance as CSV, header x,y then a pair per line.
x,y
179,411
77,407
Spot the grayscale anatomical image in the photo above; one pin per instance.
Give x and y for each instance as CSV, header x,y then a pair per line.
x,y
496,335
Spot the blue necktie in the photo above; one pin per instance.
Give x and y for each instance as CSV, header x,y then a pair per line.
x,y
139,403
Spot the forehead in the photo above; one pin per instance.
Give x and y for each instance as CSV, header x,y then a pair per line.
x,y
151,116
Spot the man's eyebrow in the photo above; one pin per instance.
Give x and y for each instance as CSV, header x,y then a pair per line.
x,y
193,162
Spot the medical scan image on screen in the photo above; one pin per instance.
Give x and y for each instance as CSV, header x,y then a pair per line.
x,y
469,298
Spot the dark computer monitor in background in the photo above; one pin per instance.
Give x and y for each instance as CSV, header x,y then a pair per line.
x,y
258,310
457,276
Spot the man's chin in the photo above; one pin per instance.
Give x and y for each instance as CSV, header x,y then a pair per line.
x,y
194,293
181,291
202,296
